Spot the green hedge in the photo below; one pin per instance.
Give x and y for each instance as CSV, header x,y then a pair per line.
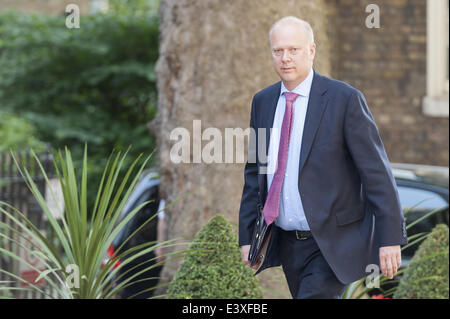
x,y
212,267
427,274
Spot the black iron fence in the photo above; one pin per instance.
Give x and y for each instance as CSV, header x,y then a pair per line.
x,y
14,191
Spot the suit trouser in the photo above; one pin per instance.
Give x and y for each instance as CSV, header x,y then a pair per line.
x,y
307,272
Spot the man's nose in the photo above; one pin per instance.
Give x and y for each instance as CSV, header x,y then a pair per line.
x,y
286,56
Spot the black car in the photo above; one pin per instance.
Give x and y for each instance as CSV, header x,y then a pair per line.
x,y
422,189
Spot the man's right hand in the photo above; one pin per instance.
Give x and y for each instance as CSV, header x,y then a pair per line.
x,y
245,249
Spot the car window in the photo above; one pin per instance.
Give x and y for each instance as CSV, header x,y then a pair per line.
x,y
421,199
415,204
146,212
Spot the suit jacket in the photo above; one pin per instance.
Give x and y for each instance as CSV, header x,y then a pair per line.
x,y
345,181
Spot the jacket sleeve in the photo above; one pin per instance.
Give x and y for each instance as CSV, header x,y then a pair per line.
x,y
368,153
249,200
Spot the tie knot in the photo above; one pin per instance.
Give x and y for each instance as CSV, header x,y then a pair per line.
x,y
290,97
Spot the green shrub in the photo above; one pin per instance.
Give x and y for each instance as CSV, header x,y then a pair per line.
x,y
427,274
212,267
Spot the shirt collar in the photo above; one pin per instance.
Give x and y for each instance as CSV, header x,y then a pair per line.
x,y
303,88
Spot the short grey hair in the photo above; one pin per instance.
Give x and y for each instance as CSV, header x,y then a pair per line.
x,y
294,20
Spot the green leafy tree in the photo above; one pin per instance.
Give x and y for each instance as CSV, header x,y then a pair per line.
x,y
17,133
212,267
135,7
92,85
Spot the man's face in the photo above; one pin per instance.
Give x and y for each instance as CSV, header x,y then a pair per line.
x,y
292,54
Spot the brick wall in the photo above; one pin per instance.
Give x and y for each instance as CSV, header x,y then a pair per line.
x,y
389,66
44,6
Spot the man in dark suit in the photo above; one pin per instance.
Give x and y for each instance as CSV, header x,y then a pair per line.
x,y
332,201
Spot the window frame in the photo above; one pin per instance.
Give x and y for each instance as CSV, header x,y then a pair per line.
x,y
435,103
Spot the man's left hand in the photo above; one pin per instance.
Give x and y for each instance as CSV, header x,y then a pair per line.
x,y
390,260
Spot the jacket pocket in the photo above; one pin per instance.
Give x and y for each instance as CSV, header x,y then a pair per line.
x,y
349,216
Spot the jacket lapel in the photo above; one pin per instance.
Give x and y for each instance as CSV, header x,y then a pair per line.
x,y
267,123
317,104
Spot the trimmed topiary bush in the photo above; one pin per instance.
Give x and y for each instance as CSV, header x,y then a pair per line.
x,y
212,267
427,274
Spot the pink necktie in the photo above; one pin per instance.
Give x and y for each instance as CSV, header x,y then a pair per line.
x,y
272,205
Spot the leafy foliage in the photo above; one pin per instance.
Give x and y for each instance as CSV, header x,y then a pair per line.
x,y
427,274
92,85
17,133
135,7
212,267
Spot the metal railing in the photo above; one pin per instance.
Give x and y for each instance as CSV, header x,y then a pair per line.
x,y
14,191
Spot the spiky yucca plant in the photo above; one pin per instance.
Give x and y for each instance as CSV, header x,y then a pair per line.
x,y
84,237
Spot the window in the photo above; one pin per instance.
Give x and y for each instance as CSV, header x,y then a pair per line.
x,y
435,103
417,203
420,199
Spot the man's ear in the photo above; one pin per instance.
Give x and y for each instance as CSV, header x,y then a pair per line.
x,y
312,50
